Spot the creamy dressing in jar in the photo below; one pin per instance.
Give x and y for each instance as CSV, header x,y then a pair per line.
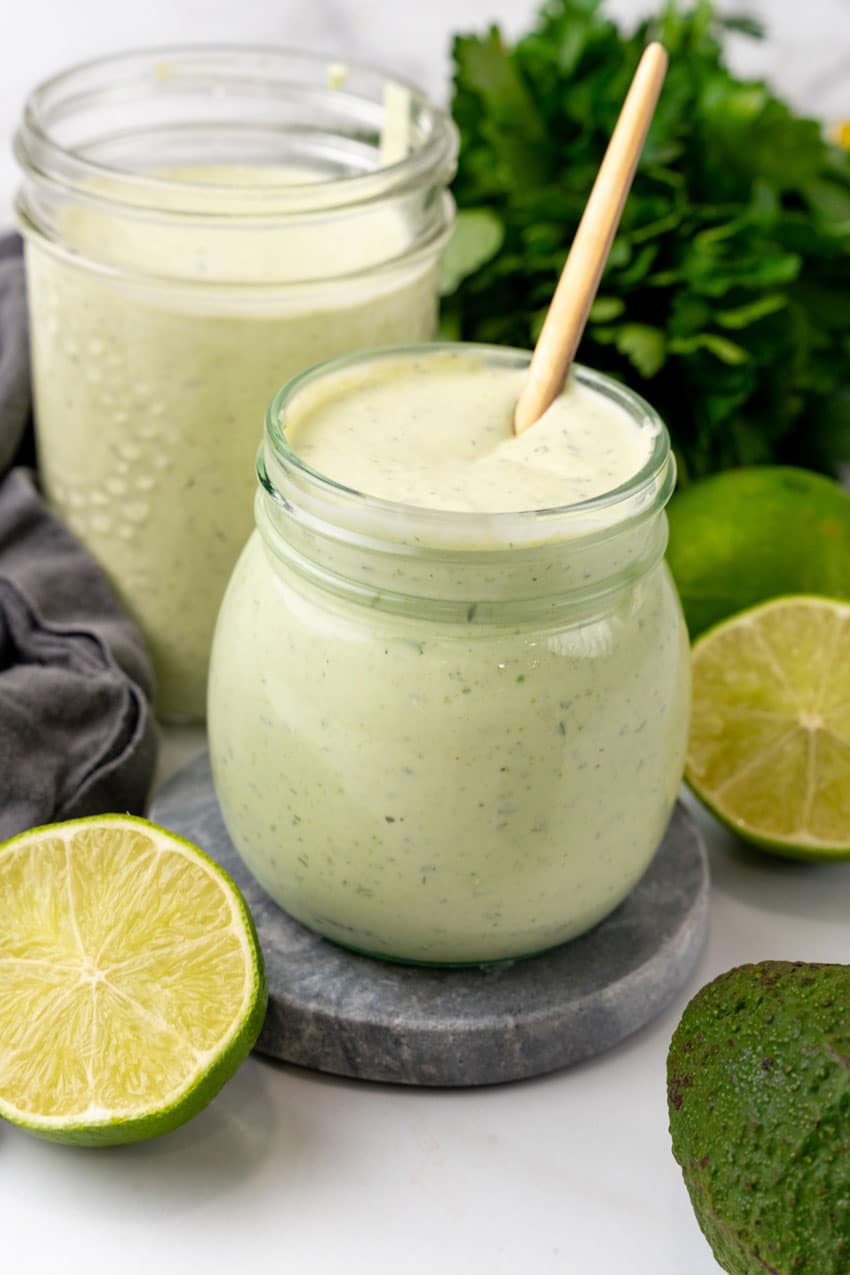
x,y
437,432
450,726
169,297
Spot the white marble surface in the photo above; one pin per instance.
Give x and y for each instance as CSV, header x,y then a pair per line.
x,y
294,1172
808,53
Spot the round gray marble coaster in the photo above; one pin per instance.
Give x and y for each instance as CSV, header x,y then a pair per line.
x,y
334,1011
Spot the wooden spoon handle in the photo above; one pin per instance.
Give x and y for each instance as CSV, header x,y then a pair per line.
x,y
564,324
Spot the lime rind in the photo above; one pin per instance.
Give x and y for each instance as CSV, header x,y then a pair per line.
x,y
783,847
799,842
221,1060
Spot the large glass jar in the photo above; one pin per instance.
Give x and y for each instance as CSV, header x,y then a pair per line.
x,y
201,224
449,737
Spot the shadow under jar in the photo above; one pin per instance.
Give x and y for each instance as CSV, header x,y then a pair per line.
x,y
201,224
449,737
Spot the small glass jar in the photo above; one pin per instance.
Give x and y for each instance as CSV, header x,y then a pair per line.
x,y
201,224
449,737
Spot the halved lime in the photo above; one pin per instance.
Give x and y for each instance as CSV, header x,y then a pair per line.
x,y
769,747
131,980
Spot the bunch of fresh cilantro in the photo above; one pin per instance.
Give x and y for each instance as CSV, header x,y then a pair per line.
x,y
726,300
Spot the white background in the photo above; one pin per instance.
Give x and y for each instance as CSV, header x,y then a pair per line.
x,y
292,1173
296,1173
808,54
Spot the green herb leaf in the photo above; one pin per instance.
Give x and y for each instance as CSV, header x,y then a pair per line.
x,y
604,309
478,236
643,346
752,312
719,346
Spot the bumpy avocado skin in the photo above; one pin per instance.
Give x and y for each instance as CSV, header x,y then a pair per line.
x,y
758,1088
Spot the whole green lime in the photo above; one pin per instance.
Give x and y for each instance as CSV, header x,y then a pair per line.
x,y
747,535
758,1088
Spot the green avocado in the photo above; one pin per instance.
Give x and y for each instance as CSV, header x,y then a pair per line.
x,y
758,1090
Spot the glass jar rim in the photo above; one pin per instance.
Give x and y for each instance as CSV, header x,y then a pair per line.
x,y
38,152
644,493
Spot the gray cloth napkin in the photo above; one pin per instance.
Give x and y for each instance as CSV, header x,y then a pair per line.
x,y
77,735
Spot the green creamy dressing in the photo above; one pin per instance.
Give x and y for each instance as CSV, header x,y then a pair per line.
x,y
157,346
438,433
418,783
